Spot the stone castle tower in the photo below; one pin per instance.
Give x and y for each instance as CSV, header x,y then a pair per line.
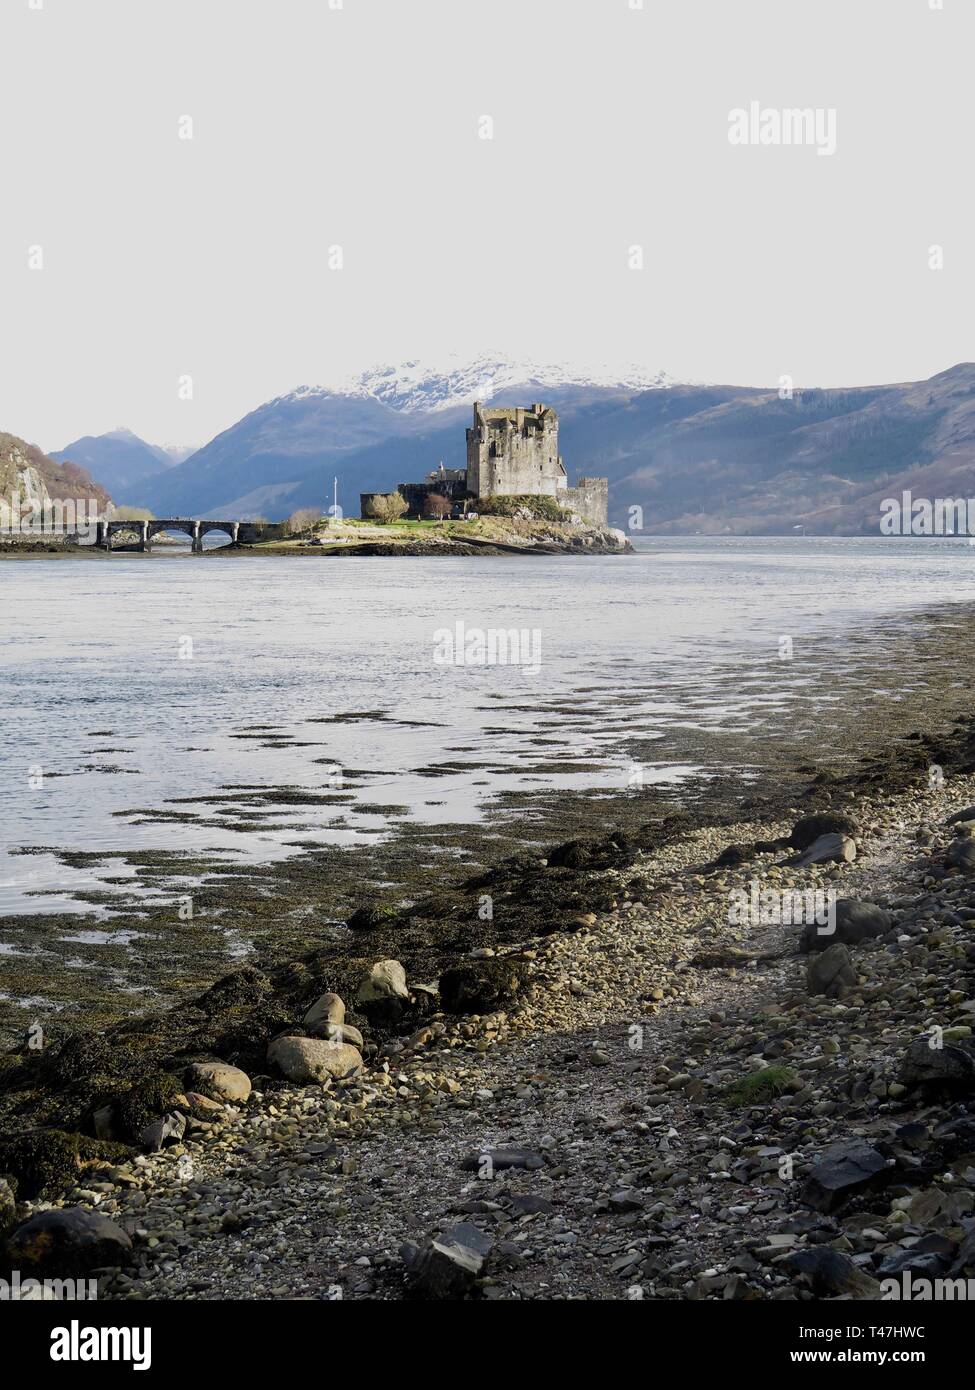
x,y
514,450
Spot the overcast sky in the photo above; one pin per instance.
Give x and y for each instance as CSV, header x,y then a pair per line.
x,y
360,126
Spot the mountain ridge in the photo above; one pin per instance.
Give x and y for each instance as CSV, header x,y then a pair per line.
x,y
698,458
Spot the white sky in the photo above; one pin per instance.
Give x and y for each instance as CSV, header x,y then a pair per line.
x,y
359,126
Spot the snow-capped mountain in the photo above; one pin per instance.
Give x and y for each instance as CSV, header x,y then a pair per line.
x,y
382,426
423,387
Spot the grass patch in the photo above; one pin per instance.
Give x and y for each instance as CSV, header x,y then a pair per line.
x,y
759,1087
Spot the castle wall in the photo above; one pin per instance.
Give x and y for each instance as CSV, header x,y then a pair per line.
x,y
589,499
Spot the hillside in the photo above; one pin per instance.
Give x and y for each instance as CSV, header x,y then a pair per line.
x,y
26,472
120,460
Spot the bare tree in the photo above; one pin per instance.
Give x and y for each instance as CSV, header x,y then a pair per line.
x,y
437,506
387,506
304,519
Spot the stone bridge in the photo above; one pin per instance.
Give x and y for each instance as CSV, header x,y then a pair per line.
x,y
145,530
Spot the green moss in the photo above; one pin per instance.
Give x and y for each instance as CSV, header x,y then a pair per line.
x,y
145,1101
541,507
759,1087
48,1162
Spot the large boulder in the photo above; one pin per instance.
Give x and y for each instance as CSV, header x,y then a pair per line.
x,y
67,1242
844,1170
451,1264
218,1081
808,829
382,994
830,1273
831,972
853,922
481,986
308,1061
948,1067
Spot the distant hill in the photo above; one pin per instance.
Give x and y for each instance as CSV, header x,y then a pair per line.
x,y
383,427
696,458
120,460
33,476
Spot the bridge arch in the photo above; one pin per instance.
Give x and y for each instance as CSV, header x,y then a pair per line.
x,y
230,528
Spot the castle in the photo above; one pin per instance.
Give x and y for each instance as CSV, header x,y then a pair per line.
x,y
512,451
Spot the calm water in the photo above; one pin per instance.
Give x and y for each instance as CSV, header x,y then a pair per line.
x,y
320,674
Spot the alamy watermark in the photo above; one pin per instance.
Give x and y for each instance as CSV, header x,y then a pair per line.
x,y
786,907
908,515
19,1290
915,1288
48,516
492,646
790,125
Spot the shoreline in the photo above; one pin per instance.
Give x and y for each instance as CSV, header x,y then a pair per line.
x,y
596,939
493,536
298,900
599,1200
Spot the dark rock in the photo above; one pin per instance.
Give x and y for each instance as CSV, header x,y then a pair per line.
x,y
167,1129
830,972
968,813
47,1162
854,921
965,1260
369,918
830,1273
931,1263
481,986
948,1067
66,1242
844,1170
613,852
451,1264
8,1205
961,855
494,1160
808,829
625,1201
734,856
528,1204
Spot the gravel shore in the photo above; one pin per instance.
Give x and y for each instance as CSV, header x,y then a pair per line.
x,y
661,1108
